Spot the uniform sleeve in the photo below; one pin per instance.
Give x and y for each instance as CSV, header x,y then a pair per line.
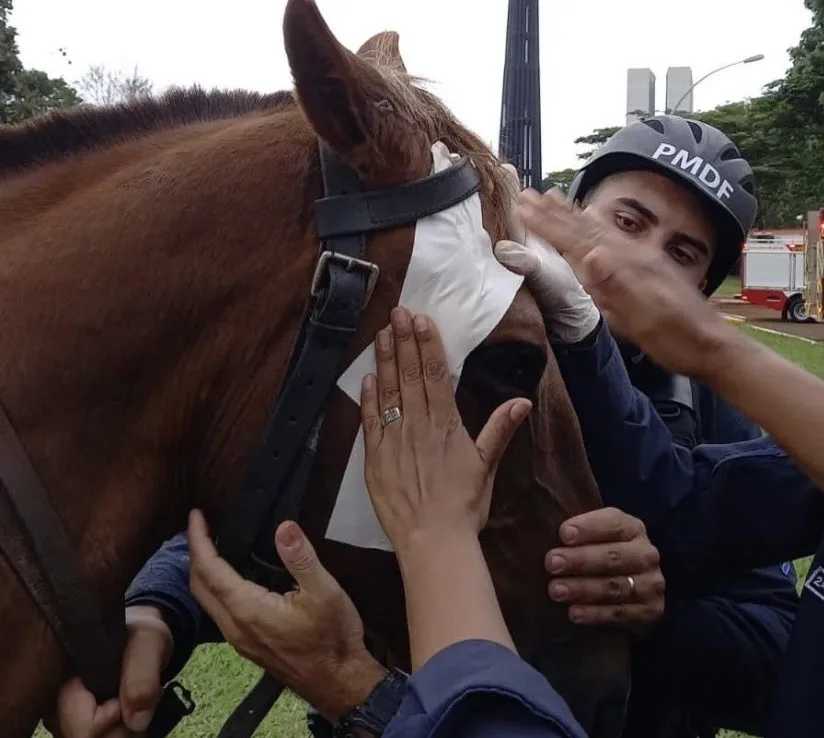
x,y
479,689
733,505
719,657
164,583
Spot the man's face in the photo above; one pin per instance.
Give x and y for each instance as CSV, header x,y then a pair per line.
x,y
657,213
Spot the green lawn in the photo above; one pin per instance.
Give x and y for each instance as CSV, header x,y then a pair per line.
x,y
806,355
219,679
729,288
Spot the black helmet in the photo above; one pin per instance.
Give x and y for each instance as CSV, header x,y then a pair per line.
x,y
700,156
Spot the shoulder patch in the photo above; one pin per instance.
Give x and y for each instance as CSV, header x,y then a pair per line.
x,y
815,582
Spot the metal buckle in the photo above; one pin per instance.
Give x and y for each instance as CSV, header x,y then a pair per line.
x,y
350,263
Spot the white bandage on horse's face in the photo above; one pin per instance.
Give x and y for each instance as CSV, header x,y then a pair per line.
x,y
453,277
515,227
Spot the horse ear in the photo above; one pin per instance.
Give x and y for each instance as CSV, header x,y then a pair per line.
x,y
383,49
342,94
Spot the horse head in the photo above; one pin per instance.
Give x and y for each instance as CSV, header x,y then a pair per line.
x,y
156,263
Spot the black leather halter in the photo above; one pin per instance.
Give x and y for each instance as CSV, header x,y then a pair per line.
x,y
341,288
32,537
278,474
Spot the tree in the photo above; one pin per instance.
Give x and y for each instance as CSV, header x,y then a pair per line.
x,y
25,93
781,132
103,86
562,179
595,139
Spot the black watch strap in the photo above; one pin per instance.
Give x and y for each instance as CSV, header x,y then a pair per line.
x,y
380,707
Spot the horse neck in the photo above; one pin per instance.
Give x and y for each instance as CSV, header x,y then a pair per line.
x,y
151,296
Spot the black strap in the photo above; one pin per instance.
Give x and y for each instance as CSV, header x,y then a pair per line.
x,y
279,472
243,722
675,403
328,329
175,704
52,575
343,215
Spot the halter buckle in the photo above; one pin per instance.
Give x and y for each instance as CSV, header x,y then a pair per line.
x,y
349,263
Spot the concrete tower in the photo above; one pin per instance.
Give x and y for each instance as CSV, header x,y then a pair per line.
x,y
520,133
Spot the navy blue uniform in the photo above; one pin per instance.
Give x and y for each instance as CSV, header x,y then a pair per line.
x,y
714,508
478,689
706,483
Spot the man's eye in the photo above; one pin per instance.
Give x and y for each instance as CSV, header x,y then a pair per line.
x,y
682,255
627,223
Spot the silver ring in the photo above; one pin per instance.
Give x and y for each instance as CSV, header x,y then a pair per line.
x,y
631,587
390,415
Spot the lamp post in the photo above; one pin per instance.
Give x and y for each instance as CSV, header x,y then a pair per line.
x,y
748,60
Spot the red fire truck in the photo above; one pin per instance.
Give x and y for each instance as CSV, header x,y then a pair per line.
x,y
782,270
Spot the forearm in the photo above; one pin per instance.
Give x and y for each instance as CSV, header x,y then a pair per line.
x,y
784,399
163,582
449,594
638,468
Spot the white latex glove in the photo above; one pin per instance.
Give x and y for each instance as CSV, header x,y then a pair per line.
x,y
569,312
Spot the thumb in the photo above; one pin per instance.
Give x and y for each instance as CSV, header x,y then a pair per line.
x,y
519,258
147,652
499,429
300,559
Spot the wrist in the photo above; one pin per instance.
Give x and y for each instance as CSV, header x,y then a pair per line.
x,y
723,348
428,545
355,679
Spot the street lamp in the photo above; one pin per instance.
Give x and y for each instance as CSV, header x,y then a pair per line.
x,y
748,60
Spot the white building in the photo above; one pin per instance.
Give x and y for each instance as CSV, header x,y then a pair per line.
x,y
640,93
679,81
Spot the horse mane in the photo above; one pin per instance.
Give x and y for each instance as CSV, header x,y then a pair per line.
x,y
65,132
84,128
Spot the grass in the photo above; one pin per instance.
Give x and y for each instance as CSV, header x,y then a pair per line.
x,y
806,355
730,287
219,679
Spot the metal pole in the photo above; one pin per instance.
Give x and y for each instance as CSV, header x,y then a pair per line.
x,y
748,60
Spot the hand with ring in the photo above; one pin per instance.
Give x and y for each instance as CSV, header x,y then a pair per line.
x,y
423,471
431,486
607,572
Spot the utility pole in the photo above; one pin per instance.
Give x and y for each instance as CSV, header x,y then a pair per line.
x,y
520,133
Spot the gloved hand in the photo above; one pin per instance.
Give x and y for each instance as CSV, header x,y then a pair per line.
x,y
569,312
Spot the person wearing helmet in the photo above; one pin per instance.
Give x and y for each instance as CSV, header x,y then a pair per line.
x,y
659,442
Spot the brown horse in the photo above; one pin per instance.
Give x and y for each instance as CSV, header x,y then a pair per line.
x,y
155,261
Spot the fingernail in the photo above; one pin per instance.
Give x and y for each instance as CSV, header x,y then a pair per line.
x,y
385,339
520,410
139,721
369,382
289,536
569,533
575,614
400,318
556,564
558,592
421,325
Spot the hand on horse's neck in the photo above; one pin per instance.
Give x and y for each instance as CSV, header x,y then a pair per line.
x,y
139,359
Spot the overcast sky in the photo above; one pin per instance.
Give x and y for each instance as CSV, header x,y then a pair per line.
x,y
586,48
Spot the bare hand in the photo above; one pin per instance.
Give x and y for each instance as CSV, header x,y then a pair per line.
x,y
608,572
423,471
148,649
638,291
311,638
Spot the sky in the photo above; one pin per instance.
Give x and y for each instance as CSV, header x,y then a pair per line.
x,y
586,48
